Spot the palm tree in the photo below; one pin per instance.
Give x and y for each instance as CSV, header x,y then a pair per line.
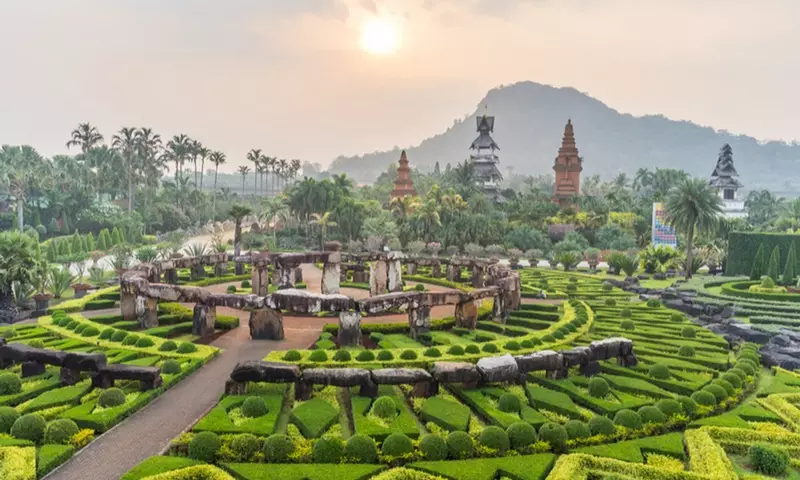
x,y
693,207
283,164
238,212
20,259
195,150
204,153
272,165
274,209
125,143
85,136
295,167
254,156
324,221
178,150
217,158
244,170
19,166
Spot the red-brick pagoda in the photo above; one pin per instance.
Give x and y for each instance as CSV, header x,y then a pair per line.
x,y
568,167
403,185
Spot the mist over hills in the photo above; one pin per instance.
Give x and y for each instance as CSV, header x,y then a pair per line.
x,y
529,124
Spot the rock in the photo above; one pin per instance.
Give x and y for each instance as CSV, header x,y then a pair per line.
x,y
419,320
349,329
69,376
498,369
781,340
547,360
643,277
266,324
31,369
466,314
576,356
400,376
338,377
93,362
660,276
19,353
148,377
740,331
456,372
379,278
260,371
203,320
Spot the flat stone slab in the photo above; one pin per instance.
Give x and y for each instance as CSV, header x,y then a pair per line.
x,y
260,371
23,353
84,361
547,360
131,372
400,376
455,372
338,377
498,369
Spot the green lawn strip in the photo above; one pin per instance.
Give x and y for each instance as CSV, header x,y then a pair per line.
x,y
30,388
544,399
48,457
219,421
636,386
448,338
78,304
446,413
670,444
314,417
528,323
398,340
56,397
675,362
167,331
739,417
286,471
581,396
523,467
85,416
8,441
479,401
144,361
673,385
404,422
783,381
159,464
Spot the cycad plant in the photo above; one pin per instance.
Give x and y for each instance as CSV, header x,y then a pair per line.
x,y
96,275
569,259
60,280
196,249
146,254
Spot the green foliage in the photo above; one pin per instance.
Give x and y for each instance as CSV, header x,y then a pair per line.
x,y
187,347
48,457
434,447
768,459
625,313
495,438
719,392
396,445
459,445
733,379
278,448
29,427
628,419
704,398
60,431
521,435
651,414
328,450
654,303
168,346
598,387
660,371
455,350
253,407
362,449
688,332
686,351
790,267
385,355
627,325
774,262
432,352
318,356
245,446
170,367
668,407
509,403
490,348
112,397
556,435
365,356
408,355
204,446
384,407
600,425
119,336
10,383
610,302
342,356
577,429
144,342
8,415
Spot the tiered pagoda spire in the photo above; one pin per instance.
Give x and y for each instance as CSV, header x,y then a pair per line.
x,y
725,179
403,185
567,167
484,159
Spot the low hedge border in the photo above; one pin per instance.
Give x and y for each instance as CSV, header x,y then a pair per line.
x,y
79,304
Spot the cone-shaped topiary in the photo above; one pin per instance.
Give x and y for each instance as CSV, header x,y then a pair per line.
x,y
789,269
757,269
774,264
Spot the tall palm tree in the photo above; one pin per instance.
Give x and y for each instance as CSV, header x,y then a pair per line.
x,y
244,170
272,165
125,143
693,207
263,161
323,221
86,137
195,150
204,153
295,165
254,156
178,151
18,169
217,158
238,212
273,209
151,163
283,165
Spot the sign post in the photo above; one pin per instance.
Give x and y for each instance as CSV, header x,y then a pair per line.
x,y
663,234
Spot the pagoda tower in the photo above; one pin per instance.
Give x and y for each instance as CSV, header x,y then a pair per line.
x,y
484,158
568,167
403,185
724,178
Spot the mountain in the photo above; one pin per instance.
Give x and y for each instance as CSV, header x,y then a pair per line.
x,y
529,123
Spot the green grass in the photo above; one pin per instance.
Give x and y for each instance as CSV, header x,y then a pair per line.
x,y
49,457
542,398
219,421
525,467
260,471
670,444
56,397
446,413
155,465
484,401
314,417
365,424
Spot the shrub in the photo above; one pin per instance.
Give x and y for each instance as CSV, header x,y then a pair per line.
x,y
432,352
204,446
627,325
385,355
512,345
688,332
187,347
668,407
625,313
245,446
168,346
598,387
689,405
729,389
434,448
112,397
107,333
327,450
732,379
739,373
408,355
245,284
365,356
60,431
81,327
555,435
455,350
362,449
558,334
292,356
610,302
719,392
90,331
607,287
131,339
144,342
651,414
119,336
494,437
572,287
768,459
654,303
36,343
231,289
384,407
577,429
676,317
746,367
253,407
472,349
278,448
686,351
8,415
396,445
459,444
600,425
628,419
521,434
72,325
526,344
29,427
10,383
704,398
660,371
490,348
342,356
509,403
170,367
318,356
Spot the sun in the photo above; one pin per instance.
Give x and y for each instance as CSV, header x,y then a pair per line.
x,y
380,37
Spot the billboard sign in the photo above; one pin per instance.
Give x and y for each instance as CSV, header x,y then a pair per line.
x,y
663,234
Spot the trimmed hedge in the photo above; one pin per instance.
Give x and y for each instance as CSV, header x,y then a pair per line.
x,y
742,248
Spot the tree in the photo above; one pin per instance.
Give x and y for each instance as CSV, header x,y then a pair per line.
x,y
217,158
86,137
177,151
19,259
254,156
774,264
125,143
789,268
760,258
238,212
324,222
273,210
244,170
693,207
19,167
116,237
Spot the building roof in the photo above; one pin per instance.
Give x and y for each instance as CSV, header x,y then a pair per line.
x,y
724,174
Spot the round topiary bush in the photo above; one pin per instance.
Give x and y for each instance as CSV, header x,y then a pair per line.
x,y
548,339
600,425
253,407
628,419
60,432
719,392
433,447
495,438
231,289
187,347
384,407
536,341
170,367
245,446
245,284
456,350
432,352
676,317
292,356
396,445
144,342
327,450
654,303
686,351
131,339
376,336
472,349
385,355
509,403
36,343
688,332
90,331
668,407
660,371
610,302
572,287
459,445
577,429
598,387
8,415
627,325
747,368
490,348
521,435
558,334
277,448
689,406
704,398
72,325
512,345
728,386
119,336
81,327
768,460
651,414
739,373
527,343
625,313
204,447
342,356
555,435
365,356
107,333
408,355
10,383
318,356
29,427
362,449
111,397
607,287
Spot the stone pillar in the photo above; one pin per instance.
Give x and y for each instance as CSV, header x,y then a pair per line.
x,y
477,277
331,273
453,272
238,268
260,280
203,320
467,314
342,274
411,268
298,275
499,311
349,329
286,278
32,369
302,390
436,270
127,304
147,312
220,269
171,276
198,271
69,376
233,387
276,275
395,272
419,320
266,324
425,389
378,278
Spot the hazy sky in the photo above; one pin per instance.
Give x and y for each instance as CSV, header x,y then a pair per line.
x,y
291,76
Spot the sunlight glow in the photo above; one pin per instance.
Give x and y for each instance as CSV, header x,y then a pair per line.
x,y
380,37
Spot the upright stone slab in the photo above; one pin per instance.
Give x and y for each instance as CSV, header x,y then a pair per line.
x,y
266,324
453,273
171,276
411,268
127,304
286,279
220,269
203,320
378,278
499,311
331,273
419,320
276,275
259,281
147,312
466,314
298,275
349,329
238,268
198,271
477,277
395,272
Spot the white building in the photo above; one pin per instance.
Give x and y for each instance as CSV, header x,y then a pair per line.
x,y
725,179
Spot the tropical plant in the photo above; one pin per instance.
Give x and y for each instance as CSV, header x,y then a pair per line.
x,y
19,258
238,212
243,171
658,258
693,207
121,256
60,280
146,254
627,264
195,249
568,259
96,274
217,158
323,221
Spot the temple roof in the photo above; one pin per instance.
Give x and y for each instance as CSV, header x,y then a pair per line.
x,y
724,174
484,140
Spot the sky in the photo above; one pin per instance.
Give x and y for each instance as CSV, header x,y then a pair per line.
x,y
292,77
